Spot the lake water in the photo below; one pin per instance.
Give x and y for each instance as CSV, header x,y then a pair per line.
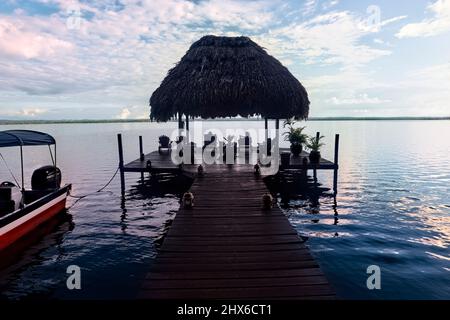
x,y
393,210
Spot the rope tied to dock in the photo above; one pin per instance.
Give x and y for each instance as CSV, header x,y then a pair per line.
x,y
92,193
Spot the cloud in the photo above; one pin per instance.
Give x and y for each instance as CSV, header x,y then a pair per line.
x,y
378,41
122,50
329,4
133,112
392,20
31,112
128,48
427,90
310,7
327,39
438,24
363,99
124,114
17,41
24,112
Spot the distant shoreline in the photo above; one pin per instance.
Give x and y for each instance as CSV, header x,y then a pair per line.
x,y
18,122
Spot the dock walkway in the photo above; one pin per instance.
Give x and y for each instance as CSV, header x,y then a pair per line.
x,y
228,247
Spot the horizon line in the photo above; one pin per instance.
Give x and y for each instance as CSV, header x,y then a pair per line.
x,y
69,121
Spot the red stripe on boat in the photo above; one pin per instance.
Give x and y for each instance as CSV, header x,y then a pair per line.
x,y
27,226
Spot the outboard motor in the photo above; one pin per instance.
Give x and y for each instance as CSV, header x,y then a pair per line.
x,y
45,178
10,198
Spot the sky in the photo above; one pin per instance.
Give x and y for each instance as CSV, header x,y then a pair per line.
x,y
65,59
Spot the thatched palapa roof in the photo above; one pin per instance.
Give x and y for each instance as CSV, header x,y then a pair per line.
x,y
226,77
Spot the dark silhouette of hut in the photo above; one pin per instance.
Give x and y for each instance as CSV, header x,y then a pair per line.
x,y
227,77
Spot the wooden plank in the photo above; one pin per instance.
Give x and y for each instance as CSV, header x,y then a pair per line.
x,y
230,259
238,293
235,283
221,241
219,254
235,274
236,248
228,246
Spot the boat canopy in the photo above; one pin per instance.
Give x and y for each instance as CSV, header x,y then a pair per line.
x,y
17,138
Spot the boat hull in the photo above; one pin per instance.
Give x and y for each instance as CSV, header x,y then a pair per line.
x,y
24,221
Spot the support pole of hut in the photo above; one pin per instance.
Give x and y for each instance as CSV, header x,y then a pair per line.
x,y
141,156
277,129
187,128
180,124
266,126
336,164
121,169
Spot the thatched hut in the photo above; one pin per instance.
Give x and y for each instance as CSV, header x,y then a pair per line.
x,y
227,77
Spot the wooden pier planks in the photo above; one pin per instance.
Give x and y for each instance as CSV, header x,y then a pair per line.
x,y
228,247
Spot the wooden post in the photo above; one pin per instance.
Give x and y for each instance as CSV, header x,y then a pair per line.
x,y
180,123
141,156
315,167
336,164
187,128
141,149
266,126
277,129
122,173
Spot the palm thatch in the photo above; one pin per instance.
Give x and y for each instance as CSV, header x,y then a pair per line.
x,y
227,77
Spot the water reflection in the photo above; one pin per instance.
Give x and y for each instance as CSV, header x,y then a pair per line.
x,y
30,251
156,190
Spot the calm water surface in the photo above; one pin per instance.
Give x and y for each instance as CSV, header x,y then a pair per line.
x,y
392,210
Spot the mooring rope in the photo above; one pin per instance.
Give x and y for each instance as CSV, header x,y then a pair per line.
x,y
7,167
89,194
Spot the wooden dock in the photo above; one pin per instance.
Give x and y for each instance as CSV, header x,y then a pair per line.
x,y
229,247
156,162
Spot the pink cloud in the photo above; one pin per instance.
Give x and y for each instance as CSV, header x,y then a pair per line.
x,y
16,41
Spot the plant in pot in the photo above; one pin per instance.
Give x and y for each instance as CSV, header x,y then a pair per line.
x,y
314,144
295,136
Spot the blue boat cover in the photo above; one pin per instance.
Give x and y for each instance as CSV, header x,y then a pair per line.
x,y
15,138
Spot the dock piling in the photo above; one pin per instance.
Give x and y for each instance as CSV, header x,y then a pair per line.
x,y
141,156
122,173
336,163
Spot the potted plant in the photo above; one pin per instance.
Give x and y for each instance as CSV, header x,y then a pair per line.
x,y
295,136
314,146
